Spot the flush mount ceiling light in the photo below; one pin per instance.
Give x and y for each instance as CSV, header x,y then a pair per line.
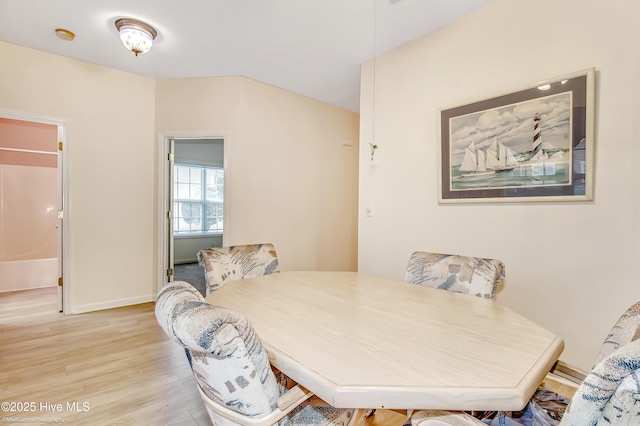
x,y
136,36
65,35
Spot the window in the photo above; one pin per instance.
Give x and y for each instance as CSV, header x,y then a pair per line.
x,y
198,199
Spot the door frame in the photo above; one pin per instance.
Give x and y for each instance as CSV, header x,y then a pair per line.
x,y
62,197
164,191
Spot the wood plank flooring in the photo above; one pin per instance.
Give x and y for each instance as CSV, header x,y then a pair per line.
x,y
111,367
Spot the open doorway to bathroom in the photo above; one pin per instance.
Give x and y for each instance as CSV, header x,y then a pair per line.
x,y
31,192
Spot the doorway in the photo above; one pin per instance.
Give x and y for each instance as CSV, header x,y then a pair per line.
x,y
192,196
53,268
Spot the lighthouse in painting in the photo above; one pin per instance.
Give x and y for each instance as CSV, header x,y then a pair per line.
x,y
537,139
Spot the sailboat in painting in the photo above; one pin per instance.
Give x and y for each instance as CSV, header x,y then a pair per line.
x,y
500,157
475,162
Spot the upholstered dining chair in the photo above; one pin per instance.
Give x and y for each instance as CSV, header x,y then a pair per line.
x,y
461,274
224,264
609,394
231,367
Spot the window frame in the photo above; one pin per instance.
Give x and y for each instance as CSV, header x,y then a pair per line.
x,y
203,201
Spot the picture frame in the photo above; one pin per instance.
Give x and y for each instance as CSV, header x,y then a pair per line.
x,y
534,144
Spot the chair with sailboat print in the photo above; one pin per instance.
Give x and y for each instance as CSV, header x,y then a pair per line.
x,y
224,264
461,274
231,368
609,394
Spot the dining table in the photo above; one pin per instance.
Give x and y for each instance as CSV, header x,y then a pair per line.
x,y
363,341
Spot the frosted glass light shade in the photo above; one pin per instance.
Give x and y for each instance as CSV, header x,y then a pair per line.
x,y
135,35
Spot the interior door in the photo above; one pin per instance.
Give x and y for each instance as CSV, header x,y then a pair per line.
x,y
170,244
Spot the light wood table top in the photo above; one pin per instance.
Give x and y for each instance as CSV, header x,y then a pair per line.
x,y
367,342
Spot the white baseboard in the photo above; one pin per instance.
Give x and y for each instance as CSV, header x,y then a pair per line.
x,y
79,309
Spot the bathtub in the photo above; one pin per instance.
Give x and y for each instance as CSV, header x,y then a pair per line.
x,y
26,274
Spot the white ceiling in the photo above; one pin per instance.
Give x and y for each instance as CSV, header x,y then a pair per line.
x,y
310,47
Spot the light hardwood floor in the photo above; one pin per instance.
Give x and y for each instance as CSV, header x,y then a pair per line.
x,y
116,366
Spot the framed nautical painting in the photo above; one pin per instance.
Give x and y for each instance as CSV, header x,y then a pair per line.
x,y
533,144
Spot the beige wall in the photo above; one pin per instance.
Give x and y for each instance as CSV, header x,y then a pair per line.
x,y
111,169
290,181
569,265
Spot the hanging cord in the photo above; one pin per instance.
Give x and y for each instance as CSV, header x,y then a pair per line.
x,y
372,144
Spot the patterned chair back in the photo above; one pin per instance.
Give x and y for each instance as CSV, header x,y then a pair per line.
x,y
610,394
225,354
224,264
624,331
461,274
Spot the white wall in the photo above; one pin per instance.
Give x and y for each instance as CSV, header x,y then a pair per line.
x,y
111,169
569,265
